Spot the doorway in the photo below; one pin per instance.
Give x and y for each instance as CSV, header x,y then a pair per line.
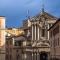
x,y
43,56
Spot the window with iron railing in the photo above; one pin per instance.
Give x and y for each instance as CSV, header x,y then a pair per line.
x,y
18,43
56,30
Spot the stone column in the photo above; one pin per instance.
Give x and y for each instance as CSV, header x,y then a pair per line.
x,y
49,56
35,56
48,32
32,32
32,56
38,33
38,56
35,31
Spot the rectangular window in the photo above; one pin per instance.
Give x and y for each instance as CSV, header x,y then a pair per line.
x,y
56,30
58,41
51,34
10,42
10,57
7,57
43,32
51,43
18,43
17,57
7,43
50,25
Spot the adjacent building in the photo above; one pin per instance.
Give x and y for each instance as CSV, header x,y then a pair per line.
x,y
13,43
2,38
14,31
55,40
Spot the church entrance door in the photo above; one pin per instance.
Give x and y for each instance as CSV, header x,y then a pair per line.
x,y
43,56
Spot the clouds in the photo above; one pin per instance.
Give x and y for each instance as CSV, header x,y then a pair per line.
x,y
16,10
53,7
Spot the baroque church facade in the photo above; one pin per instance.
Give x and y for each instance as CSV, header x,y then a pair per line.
x,y
36,29
34,43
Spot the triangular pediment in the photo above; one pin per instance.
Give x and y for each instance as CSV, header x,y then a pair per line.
x,y
46,15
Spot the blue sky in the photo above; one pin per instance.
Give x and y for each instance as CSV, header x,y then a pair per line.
x,y
15,11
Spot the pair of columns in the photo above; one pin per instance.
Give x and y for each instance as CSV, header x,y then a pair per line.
x,y
35,56
35,32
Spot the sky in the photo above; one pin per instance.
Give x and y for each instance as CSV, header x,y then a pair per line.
x,y
15,11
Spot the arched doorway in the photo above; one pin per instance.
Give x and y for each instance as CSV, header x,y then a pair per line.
x,y
43,56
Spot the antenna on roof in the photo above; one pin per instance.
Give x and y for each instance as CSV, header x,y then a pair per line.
x,y
28,14
43,6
